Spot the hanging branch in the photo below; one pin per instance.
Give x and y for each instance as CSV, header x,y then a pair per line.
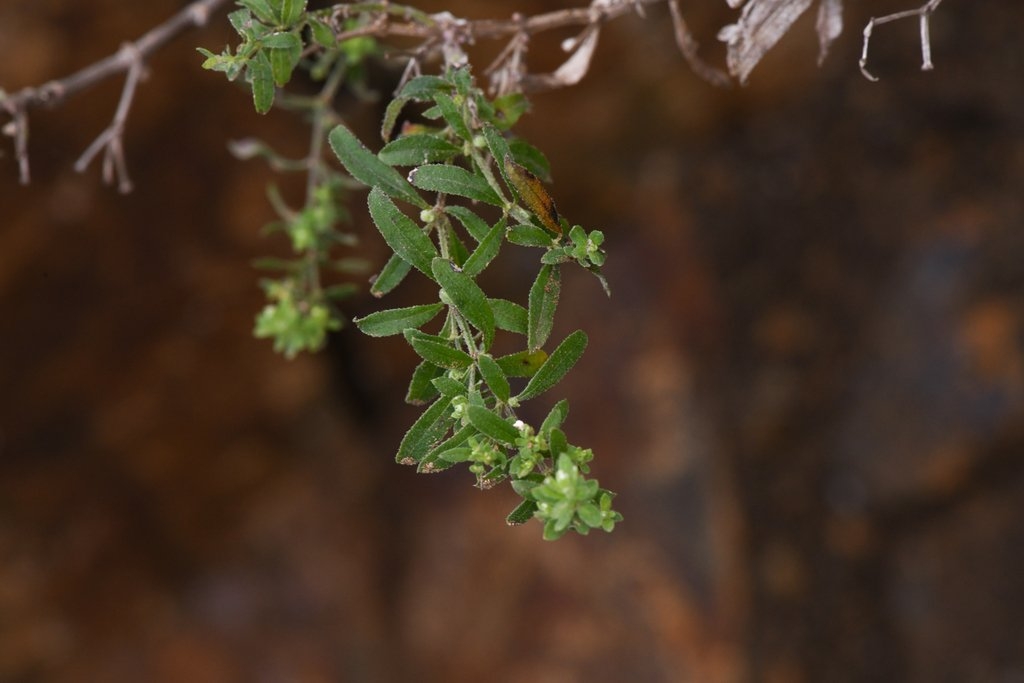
x,y
923,13
130,59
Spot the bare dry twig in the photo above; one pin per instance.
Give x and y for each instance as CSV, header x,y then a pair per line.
x,y
130,59
923,13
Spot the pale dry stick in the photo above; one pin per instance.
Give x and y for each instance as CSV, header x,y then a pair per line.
x,y
922,13
130,59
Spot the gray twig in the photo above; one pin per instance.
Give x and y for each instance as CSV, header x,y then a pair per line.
x,y
130,59
923,13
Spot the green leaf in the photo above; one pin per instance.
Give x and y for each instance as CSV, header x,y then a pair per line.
x,y
400,232
449,387
509,316
557,443
414,150
430,428
391,112
449,452
477,227
284,49
495,377
437,351
486,251
498,145
240,20
555,417
529,236
423,88
390,276
397,320
290,11
544,295
457,454
322,33
509,108
364,166
522,514
453,116
262,10
556,366
261,77
522,363
421,388
467,297
492,425
531,158
454,180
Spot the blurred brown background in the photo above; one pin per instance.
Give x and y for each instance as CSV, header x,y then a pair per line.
x,y
808,386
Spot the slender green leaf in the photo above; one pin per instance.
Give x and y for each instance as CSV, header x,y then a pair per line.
x,y
454,180
284,55
364,166
509,108
544,295
390,276
449,387
477,227
322,33
492,425
457,454
486,251
467,297
449,452
531,158
414,150
262,10
522,514
556,366
495,377
430,428
555,417
423,88
421,389
400,232
397,320
261,77
529,236
522,363
438,352
557,443
291,11
391,112
453,116
509,316
498,145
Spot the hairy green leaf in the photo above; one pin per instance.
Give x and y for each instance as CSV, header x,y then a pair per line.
x,y
390,276
421,388
486,251
423,88
556,366
495,377
467,297
529,236
522,363
522,514
454,180
414,150
453,116
400,232
477,227
262,10
261,77
365,167
544,295
397,320
430,428
492,425
509,316
438,352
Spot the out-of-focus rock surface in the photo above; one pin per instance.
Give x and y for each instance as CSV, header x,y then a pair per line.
x,y
808,386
